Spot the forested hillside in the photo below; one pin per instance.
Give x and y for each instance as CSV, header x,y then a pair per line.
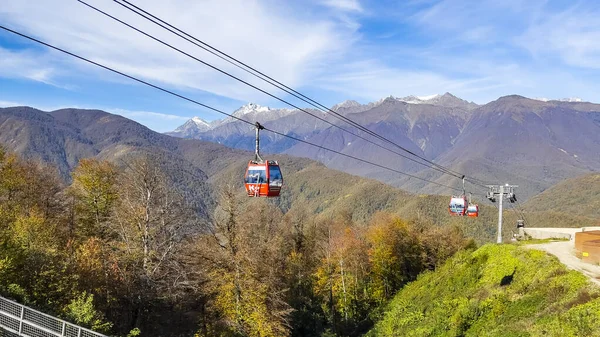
x,y
497,290
122,251
200,171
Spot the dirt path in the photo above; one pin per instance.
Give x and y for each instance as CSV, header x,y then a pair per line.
x,y
565,252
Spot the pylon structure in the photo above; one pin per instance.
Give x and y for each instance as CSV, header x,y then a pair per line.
x,y
499,192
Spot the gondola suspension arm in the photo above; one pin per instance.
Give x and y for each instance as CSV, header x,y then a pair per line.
x,y
257,157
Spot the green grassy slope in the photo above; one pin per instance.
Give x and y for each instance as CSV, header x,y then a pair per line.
x,y
474,294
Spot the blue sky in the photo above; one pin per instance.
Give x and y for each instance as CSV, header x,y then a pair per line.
x,y
331,50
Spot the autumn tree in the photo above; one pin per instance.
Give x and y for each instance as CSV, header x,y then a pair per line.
x,y
301,239
94,190
31,239
149,225
342,277
244,267
441,243
395,253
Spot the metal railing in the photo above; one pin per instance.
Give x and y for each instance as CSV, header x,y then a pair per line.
x,y
19,320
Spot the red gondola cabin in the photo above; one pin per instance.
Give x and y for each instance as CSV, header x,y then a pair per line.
x,y
458,205
263,179
473,211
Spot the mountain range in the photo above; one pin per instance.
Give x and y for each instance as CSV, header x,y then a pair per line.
x,y
533,143
201,170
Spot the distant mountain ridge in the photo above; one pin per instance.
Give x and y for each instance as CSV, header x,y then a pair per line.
x,y
196,125
202,170
535,143
517,140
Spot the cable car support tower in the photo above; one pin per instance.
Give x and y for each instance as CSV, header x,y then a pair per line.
x,y
500,192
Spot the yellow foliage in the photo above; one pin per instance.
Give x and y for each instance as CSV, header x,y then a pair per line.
x,y
95,189
89,255
33,232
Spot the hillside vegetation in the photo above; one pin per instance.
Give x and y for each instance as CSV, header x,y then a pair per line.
x,y
121,249
200,171
577,196
497,290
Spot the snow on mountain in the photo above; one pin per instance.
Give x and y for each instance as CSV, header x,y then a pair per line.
x,y
345,104
192,127
446,100
412,99
571,99
419,99
200,122
255,112
249,108
252,112
427,98
568,99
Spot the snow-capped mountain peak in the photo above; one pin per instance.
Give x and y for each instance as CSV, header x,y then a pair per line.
x,y
250,107
193,126
427,98
419,99
413,99
200,122
345,104
447,100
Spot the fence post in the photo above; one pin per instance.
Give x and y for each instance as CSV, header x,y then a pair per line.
x,y
21,320
64,328
78,332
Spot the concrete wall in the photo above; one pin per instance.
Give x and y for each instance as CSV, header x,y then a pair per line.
x,y
546,233
554,233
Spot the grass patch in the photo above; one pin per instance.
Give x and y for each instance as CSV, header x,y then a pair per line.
x,y
497,290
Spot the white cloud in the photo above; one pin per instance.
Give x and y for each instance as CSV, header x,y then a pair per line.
x,y
43,67
285,46
371,80
159,122
23,64
147,114
572,34
344,5
464,47
569,31
6,104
